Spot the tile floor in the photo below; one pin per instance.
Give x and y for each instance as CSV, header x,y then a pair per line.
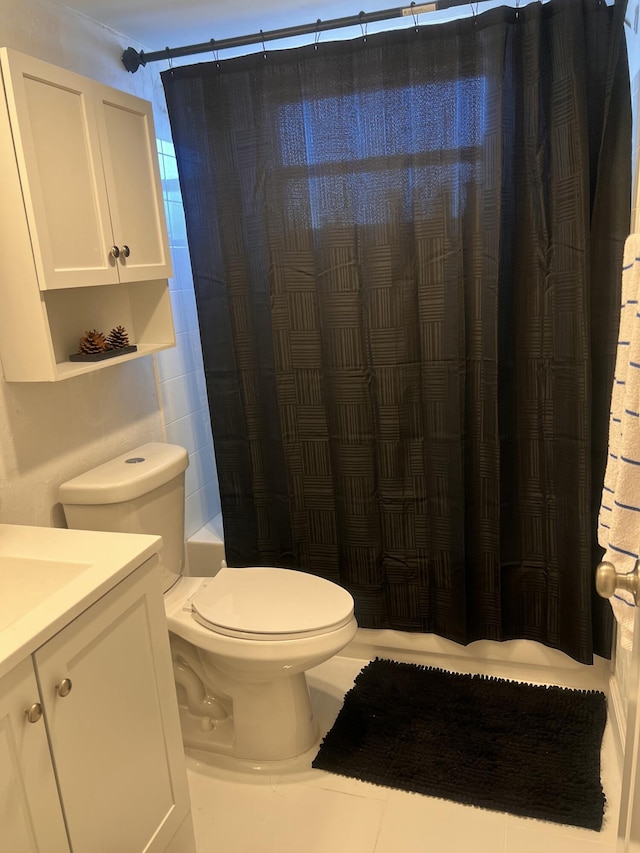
x,y
290,808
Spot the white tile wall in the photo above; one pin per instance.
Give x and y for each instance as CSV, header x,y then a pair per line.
x,y
180,370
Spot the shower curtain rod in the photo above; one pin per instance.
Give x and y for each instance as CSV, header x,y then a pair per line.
x,y
133,59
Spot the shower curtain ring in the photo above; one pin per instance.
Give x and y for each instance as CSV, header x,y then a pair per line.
x,y
414,14
264,49
214,51
317,38
169,58
363,27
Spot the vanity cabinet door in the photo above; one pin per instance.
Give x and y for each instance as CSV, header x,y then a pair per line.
x,y
107,686
55,139
130,161
31,819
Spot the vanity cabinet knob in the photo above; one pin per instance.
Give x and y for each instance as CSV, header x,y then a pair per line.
x,y
115,252
34,713
64,688
126,251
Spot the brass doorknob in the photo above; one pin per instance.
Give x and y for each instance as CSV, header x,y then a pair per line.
x,y
608,581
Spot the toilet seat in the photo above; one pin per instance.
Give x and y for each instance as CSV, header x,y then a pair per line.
x,y
270,604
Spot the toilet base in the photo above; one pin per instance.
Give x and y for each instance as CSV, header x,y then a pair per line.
x,y
268,721
245,698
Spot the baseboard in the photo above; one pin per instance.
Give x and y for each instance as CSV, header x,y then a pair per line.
x,y
618,717
184,840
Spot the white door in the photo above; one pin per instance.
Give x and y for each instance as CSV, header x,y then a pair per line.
x,y
30,815
629,825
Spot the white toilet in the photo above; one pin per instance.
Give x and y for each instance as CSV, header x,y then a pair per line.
x,y
241,640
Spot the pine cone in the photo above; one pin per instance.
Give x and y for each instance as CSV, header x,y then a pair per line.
x,y
92,342
117,338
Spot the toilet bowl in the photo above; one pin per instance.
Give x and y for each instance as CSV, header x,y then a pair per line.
x,y
253,657
241,640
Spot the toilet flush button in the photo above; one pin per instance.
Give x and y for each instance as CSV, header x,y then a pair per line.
x,y
133,459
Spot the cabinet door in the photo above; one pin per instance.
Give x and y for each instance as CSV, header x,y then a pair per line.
x,y
130,160
30,815
55,137
115,736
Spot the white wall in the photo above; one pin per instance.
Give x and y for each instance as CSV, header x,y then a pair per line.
x,y
50,432
180,370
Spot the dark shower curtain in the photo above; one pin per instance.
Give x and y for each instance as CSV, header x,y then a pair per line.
x,y
406,253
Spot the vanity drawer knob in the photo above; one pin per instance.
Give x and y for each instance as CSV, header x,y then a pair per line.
x,y
34,713
64,688
115,252
126,251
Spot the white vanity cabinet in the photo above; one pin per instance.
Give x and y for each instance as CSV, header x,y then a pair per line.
x,y
31,819
83,237
112,733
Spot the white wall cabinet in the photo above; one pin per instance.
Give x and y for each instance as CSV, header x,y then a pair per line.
x,y
106,688
86,155
81,211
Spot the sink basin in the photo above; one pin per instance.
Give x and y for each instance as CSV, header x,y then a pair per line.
x,y
50,575
27,582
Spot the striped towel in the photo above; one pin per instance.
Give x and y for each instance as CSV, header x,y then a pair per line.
x,y
619,518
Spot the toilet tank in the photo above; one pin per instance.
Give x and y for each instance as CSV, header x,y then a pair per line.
x,y
141,491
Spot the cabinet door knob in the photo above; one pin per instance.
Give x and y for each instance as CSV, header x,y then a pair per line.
x,y
64,688
126,251
115,252
34,713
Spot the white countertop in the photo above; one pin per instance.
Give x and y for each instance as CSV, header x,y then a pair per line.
x,y
49,575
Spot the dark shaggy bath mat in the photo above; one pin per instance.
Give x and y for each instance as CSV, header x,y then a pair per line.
x,y
502,745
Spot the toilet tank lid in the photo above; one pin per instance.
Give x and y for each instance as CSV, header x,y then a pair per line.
x,y
127,476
